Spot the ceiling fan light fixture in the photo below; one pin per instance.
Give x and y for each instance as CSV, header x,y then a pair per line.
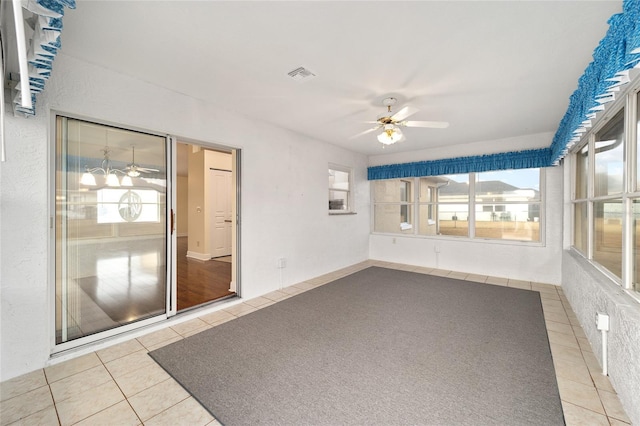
x,y
133,173
390,135
390,123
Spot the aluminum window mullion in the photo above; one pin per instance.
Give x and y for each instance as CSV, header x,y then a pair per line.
x,y
631,170
472,205
416,205
590,194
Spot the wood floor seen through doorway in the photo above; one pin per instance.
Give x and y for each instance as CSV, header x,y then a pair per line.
x,y
200,281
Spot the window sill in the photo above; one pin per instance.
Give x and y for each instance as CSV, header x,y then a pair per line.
x,y
341,213
474,240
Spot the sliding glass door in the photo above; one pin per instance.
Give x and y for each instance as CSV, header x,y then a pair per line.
x,y
110,228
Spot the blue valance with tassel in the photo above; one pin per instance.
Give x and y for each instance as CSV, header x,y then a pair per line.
x,y
613,59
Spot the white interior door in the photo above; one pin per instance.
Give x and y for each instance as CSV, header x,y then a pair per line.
x,y
221,207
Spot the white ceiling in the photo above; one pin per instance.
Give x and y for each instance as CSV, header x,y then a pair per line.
x,y
494,70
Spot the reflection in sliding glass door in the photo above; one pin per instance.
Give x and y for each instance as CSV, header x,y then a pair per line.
x,y
110,227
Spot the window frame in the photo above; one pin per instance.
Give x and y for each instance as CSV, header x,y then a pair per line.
x,y
434,203
348,192
627,104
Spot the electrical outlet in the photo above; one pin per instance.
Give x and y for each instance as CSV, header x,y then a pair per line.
x,y
393,241
197,243
436,248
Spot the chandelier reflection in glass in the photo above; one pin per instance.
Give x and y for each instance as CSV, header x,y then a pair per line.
x,y
110,173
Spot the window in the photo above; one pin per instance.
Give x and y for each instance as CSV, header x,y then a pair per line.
x,y
394,211
606,196
428,189
452,197
339,189
582,170
505,205
607,206
517,217
609,150
580,227
607,237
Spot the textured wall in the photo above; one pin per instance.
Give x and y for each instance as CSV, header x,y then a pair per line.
x,y
284,197
589,291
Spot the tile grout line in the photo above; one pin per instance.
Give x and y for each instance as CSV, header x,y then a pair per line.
x,y
55,406
119,388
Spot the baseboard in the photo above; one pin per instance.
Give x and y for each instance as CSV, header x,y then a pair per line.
x,y
198,256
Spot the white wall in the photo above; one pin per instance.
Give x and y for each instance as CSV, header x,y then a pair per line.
x,y
529,262
284,197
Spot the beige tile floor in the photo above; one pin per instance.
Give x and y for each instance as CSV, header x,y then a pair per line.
x,y
122,385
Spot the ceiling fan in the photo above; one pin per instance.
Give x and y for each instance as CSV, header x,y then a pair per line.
x,y
390,123
134,169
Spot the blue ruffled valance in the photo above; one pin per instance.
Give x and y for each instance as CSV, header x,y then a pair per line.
x,y
451,166
616,55
43,25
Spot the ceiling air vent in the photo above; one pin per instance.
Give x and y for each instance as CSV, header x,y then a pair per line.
x,y
301,74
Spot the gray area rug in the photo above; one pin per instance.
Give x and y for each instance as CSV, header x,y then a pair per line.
x,y
379,347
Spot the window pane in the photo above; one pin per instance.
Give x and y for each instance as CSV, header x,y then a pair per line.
x,y
339,189
110,228
338,179
508,221
393,218
609,149
582,172
508,186
580,227
453,219
427,220
338,200
607,245
454,188
393,191
429,186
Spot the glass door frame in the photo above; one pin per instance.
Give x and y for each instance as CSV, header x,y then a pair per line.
x,y
89,341
170,296
236,160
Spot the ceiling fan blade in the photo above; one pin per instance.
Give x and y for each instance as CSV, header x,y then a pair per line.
x,y
373,129
404,113
430,124
145,169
